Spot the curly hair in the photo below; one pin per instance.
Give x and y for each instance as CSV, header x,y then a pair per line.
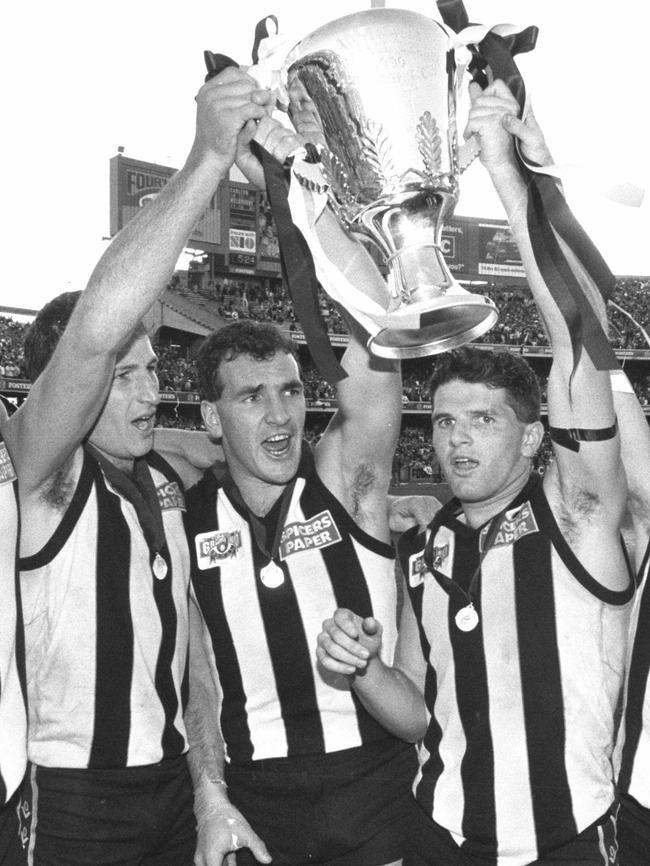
x,y
495,369
260,341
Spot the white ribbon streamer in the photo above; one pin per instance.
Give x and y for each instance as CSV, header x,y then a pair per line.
x,y
367,312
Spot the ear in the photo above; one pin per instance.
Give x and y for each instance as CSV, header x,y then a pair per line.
x,y
211,419
533,435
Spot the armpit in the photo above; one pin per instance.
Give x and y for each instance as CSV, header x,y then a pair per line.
x,y
58,491
365,479
578,507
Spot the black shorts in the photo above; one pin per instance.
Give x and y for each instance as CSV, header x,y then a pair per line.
x,y
135,815
344,808
13,833
633,832
432,845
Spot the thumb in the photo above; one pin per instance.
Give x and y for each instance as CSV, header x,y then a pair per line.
x,y
519,129
259,849
531,121
370,626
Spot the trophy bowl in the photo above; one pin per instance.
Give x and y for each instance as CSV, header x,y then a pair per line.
x,y
375,91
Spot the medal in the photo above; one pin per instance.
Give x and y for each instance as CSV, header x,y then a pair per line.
x,y
159,567
467,618
272,575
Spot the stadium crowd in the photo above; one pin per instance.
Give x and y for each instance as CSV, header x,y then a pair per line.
x,y
518,325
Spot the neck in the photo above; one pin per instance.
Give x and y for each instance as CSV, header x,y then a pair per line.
x,y
478,513
125,465
259,497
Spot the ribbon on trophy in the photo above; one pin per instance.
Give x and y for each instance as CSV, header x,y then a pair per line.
x,y
296,261
567,258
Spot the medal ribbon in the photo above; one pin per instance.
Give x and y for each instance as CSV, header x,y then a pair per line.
x,y
449,583
257,524
140,491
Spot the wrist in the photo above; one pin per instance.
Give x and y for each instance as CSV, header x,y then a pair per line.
x,y
206,161
210,799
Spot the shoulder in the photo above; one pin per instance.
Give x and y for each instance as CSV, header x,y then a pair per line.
x,y
203,494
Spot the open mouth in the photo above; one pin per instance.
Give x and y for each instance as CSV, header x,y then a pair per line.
x,y
278,445
144,423
464,464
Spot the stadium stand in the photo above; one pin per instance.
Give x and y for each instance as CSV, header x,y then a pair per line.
x,y
184,314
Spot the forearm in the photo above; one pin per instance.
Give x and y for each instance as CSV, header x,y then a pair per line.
x,y
206,756
392,698
141,258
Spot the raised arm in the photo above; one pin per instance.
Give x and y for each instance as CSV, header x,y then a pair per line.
x,y
585,484
635,452
355,453
125,283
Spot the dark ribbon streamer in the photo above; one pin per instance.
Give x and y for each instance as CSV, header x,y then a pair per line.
x,y
548,212
297,263
571,437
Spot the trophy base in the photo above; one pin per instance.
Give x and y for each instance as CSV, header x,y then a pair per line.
x,y
418,330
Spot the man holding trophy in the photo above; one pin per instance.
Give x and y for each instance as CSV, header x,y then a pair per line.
x,y
512,643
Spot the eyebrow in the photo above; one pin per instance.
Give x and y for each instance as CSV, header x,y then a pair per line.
x,y
129,368
246,390
473,412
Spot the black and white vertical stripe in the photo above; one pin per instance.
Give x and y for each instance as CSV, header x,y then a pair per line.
x,y
13,718
106,639
277,701
517,757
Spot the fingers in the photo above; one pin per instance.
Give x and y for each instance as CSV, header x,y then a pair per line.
x,y
338,646
496,98
277,139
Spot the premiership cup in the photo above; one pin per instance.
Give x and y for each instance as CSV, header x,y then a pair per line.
x,y
379,89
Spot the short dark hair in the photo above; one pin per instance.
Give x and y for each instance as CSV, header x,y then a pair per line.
x,y
496,369
244,337
45,332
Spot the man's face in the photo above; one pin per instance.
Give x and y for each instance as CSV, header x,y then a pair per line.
x,y
482,447
260,417
124,430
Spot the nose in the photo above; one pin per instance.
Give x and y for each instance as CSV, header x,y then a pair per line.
x,y
276,411
148,391
460,434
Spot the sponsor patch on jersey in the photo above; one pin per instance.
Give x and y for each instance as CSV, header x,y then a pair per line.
x,y
516,523
212,547
7,471
170,496
313,534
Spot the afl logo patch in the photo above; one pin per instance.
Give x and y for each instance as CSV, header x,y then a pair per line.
x,y
417,569
212,547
